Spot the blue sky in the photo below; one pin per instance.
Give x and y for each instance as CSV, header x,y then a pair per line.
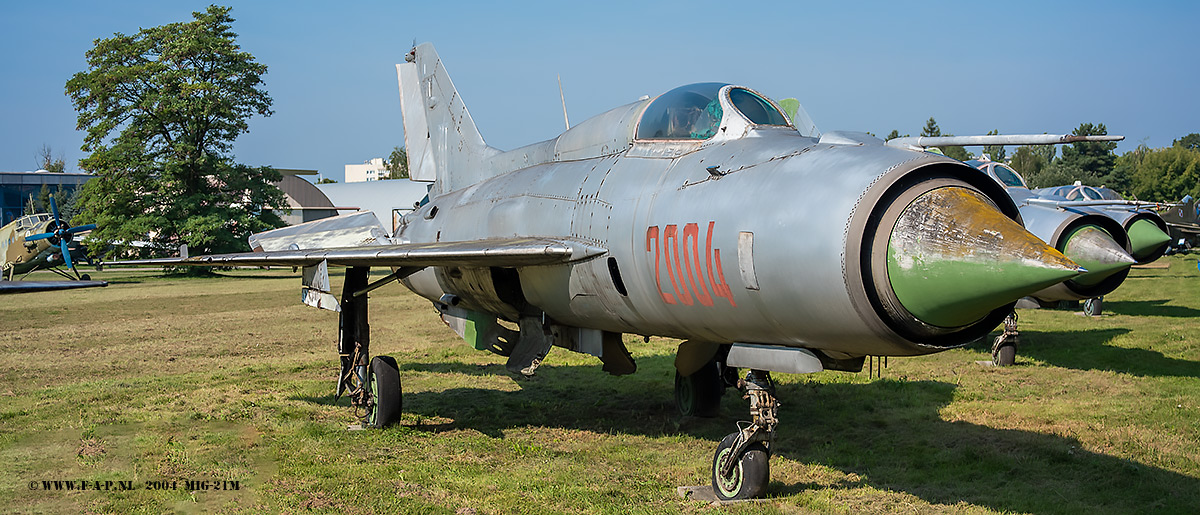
x,y
1025,67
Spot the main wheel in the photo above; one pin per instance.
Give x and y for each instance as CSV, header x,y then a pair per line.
x,y
1093,307
749,476
385,388
1006,354
699,395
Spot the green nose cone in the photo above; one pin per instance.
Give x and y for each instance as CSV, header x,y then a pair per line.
x,y
1095,250
953,258
1146,240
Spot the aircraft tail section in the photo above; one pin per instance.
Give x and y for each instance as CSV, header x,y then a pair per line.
x,y
443,144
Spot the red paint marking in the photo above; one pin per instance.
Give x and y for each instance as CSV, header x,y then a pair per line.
x,y
652,234
670,243
693,231
720,289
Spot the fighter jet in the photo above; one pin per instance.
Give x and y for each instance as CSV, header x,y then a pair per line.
x,y
702,214
40,242
1149,232
1073,220
1092,237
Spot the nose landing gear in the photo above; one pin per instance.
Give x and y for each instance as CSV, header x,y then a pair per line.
x,y
741,465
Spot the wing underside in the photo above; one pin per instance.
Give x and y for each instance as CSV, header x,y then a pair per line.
x,y
503,252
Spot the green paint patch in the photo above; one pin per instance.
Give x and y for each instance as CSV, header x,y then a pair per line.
x,y
1146,239
955,293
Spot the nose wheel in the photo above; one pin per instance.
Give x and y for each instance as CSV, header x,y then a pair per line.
x,y
741,466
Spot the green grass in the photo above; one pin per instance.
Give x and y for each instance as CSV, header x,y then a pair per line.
x,y
160,378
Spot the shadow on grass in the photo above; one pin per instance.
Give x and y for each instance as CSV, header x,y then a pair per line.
x,y
889,433
1156,308
1089,350
323,400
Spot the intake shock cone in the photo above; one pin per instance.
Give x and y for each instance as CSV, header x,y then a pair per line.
x,y
953,258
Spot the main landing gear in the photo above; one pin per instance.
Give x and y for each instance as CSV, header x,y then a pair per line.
x,y
374,390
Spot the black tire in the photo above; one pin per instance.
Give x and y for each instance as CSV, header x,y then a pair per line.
x,y
85,277
1006,355
385,389
699,395
1093,307
749,476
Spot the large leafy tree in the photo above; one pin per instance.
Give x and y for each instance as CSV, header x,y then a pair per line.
x,y
1094,159
1028,161
1162,174
162,109
1190,142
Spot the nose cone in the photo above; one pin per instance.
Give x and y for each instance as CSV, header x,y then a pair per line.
x,y
1146,240
1095,250
953,257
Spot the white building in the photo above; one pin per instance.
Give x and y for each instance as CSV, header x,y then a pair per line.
x,y
372,170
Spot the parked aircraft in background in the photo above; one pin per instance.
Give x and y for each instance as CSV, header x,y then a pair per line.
x,y
703,214
41,242
1180,219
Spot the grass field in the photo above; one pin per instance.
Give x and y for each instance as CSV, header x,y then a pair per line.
x,y
231,379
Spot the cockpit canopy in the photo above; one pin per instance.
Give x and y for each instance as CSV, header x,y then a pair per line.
x,y
1000,172
694,112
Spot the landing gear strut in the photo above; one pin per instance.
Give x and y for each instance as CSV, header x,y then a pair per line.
x,y
1004,349
741,466
374,390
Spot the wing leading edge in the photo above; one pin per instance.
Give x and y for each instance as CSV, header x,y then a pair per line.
x,y
504,252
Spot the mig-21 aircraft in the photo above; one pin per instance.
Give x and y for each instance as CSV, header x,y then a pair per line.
x,y
40,242
702,214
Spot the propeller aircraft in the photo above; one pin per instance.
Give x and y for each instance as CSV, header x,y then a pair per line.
x,y
703,214
41,242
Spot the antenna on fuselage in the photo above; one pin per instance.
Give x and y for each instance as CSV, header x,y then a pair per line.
x,y
564,102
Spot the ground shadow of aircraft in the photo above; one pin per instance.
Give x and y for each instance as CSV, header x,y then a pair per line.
x,y
1154,308
856,428
1087,350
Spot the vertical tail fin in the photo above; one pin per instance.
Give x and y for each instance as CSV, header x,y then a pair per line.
x,y
443,144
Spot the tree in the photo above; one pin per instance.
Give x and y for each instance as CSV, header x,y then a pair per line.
x,y
49,162
162,109
397,164
326,180
931,129
1057,173
995,152
894,134
1162,174
1095,159
1191,141
1027,161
